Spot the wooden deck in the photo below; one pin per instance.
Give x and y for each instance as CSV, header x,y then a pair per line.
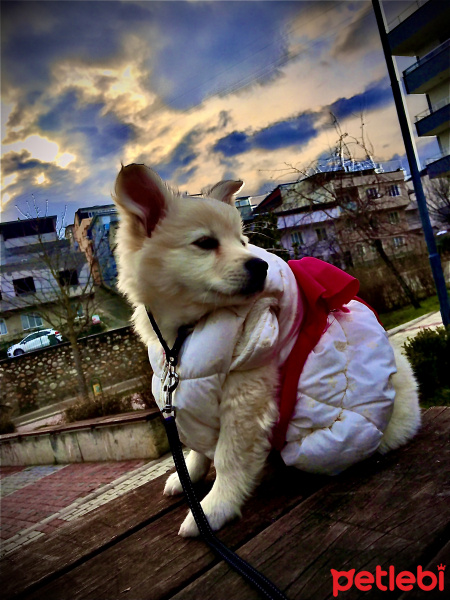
x,y
392,510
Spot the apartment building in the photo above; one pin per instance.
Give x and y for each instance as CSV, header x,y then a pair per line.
x,y
33,262
422,30
81,225
343,216
102,235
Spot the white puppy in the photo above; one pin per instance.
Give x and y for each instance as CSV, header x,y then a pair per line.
x,y
187,260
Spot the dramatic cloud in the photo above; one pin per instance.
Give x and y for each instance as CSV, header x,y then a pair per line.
x,y
360,33
293,132
104,133
199,90
181,157
217,47
37,34
377,95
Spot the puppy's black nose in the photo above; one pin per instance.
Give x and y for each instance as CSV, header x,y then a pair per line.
x,y
257,267
257,271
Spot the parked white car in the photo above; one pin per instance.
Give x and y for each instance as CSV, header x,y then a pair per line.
x,y
33,341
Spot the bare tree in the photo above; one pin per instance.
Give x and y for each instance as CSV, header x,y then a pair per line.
x,y
358,200
437,192
45,273
263,232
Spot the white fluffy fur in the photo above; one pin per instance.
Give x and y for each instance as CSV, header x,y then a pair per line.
x,y
181,283
405,419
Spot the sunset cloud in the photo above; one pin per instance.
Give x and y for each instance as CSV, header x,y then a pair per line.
x,y
198,90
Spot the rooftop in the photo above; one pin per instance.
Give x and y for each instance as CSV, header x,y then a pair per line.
x,y
28,227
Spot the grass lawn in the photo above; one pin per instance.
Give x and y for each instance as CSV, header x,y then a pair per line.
x,y
408,313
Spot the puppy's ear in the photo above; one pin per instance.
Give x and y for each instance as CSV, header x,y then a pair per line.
x,y
139,191
224,191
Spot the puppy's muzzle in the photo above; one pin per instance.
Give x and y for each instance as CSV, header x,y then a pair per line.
x,y
256,273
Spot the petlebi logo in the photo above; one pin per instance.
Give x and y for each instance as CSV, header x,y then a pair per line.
x,y
388,579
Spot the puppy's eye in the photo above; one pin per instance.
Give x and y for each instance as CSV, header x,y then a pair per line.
x,y
243,243
207,243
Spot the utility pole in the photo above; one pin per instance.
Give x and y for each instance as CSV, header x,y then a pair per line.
x,y
434,258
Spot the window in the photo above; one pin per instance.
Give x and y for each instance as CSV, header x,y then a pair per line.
x,y
372,193
239,203
30,338
373,222
399,241
24,286
31,320
68,277
321,234
80,311
393,190
393,218
347,203
296,238
348,259
3,328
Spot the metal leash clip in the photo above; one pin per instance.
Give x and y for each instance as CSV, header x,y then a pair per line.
x,y
169,383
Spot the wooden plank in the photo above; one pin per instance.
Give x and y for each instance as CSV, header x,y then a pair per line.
x,y
407,496
300,560
155,561
441,558
96,558
353,524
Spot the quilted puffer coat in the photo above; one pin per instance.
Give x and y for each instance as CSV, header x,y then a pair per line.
x,y
335,360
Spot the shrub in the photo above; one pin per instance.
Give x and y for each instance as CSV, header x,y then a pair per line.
x,y
429,355
101,406
109,404
145,374
380,288
6,425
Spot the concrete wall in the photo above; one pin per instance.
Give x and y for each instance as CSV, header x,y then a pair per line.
x,y
123,437
40,378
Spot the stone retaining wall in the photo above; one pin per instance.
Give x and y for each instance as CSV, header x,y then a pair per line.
x,y
40,378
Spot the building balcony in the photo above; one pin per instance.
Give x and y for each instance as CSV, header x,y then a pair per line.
x,y
421,20
434,120
429,71
438,166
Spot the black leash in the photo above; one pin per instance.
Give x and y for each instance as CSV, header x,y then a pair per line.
x,y
170,381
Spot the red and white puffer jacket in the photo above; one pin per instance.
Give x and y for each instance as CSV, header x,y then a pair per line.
x,y
336,364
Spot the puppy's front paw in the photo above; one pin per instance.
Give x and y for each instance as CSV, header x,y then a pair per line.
x,y
217,514
189,527
173,485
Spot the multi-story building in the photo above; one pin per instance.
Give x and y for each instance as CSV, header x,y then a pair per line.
x,y
34,263
102,235
82,222
423,31
345,217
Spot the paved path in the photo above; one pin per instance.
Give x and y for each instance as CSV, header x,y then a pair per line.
x,y
37,500
400,334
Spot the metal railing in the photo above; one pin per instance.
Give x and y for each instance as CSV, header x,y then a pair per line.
x,y
434,108
433,159
427,57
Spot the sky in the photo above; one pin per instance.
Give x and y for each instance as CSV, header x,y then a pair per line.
x,y
199,91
